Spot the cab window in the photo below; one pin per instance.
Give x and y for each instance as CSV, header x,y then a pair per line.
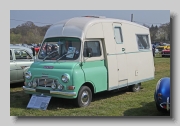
x,y
92,49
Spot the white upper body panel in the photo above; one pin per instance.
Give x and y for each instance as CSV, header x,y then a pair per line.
x,y
78,27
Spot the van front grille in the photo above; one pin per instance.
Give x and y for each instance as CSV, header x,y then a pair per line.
x,y
44,82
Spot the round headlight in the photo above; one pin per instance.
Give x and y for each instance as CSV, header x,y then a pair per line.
x,y
34,83
65,78
28,75
53,86
60,87
29,84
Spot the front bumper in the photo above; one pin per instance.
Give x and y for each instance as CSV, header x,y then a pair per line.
x,y
165,54
52,92
167,103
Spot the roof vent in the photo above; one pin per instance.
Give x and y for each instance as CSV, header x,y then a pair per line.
x,y
95,16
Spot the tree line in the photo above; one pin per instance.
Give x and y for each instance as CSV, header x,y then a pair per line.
x,y
28,33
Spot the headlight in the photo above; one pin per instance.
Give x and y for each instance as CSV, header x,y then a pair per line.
x,y
53,86
28,75
29,84
34,83
60,87
65,78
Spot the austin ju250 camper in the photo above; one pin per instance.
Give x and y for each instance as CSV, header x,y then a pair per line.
x,y
90,54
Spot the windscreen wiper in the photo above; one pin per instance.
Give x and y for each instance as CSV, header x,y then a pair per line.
x,y
49,55
63,56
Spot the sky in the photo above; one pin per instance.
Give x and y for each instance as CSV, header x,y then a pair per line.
x,y
46,17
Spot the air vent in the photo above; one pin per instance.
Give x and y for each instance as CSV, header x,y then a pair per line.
x,y
95,16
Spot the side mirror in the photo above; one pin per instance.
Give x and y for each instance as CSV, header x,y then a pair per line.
x,y
89,55
89,52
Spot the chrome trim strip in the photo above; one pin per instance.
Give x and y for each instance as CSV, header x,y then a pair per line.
x,y
29,89
64,93
140,51
52,92
130,83
167,104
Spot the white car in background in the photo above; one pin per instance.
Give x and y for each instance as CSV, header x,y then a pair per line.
x,y
21,59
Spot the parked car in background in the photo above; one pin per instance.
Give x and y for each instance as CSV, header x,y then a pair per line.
x,y
165,52
20,60
160,48
162,94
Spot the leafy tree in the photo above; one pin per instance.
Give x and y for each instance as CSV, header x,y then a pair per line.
x,y
15,38
30,33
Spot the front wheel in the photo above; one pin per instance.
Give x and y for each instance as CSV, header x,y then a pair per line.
x,y
84,97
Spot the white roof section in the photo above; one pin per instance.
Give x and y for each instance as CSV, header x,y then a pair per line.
x,y
75,27
21,47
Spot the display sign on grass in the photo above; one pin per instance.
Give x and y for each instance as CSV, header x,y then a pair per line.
x,y
39,102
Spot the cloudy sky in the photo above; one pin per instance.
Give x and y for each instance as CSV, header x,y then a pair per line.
x,y
45,17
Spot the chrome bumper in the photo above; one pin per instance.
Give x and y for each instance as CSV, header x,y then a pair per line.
x,y
167,104
52,92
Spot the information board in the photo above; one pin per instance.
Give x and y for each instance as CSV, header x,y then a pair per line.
x,y
39,102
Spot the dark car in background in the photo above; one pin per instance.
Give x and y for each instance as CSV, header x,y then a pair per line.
x,y
162,94
20,60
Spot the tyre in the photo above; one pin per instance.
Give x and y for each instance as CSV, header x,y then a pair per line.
x,y
159,108
84,97
135,87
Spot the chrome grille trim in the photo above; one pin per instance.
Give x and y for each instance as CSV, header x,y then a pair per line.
x,y
44,82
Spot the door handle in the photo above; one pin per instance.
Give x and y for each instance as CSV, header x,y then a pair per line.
x,y
123,49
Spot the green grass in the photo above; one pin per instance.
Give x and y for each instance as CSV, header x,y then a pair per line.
x,y
112,103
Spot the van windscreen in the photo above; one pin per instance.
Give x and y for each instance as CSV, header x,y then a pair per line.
x,y
60,48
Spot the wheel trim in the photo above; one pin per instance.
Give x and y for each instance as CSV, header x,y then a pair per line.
x,y
85,97
136,87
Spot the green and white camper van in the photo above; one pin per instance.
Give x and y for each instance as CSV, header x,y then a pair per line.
x,y
86,55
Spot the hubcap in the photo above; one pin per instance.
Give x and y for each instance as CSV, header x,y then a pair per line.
x,y
136,87
85,97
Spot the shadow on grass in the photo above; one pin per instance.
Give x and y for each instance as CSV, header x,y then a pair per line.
x,y
162,57
143,111
16,85
109,94
18,99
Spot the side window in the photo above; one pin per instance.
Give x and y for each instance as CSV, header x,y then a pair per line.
x,y
118,35
11,57
143,41
21,54
92,49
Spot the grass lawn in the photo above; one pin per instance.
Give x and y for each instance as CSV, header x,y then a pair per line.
x,y
112,103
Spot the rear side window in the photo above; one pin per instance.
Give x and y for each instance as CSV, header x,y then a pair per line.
x,y
143,42
92,48
118,35
21,54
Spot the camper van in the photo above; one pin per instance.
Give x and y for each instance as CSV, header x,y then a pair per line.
x,y
86,55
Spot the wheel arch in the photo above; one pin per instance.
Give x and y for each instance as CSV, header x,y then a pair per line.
x,y
91,86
